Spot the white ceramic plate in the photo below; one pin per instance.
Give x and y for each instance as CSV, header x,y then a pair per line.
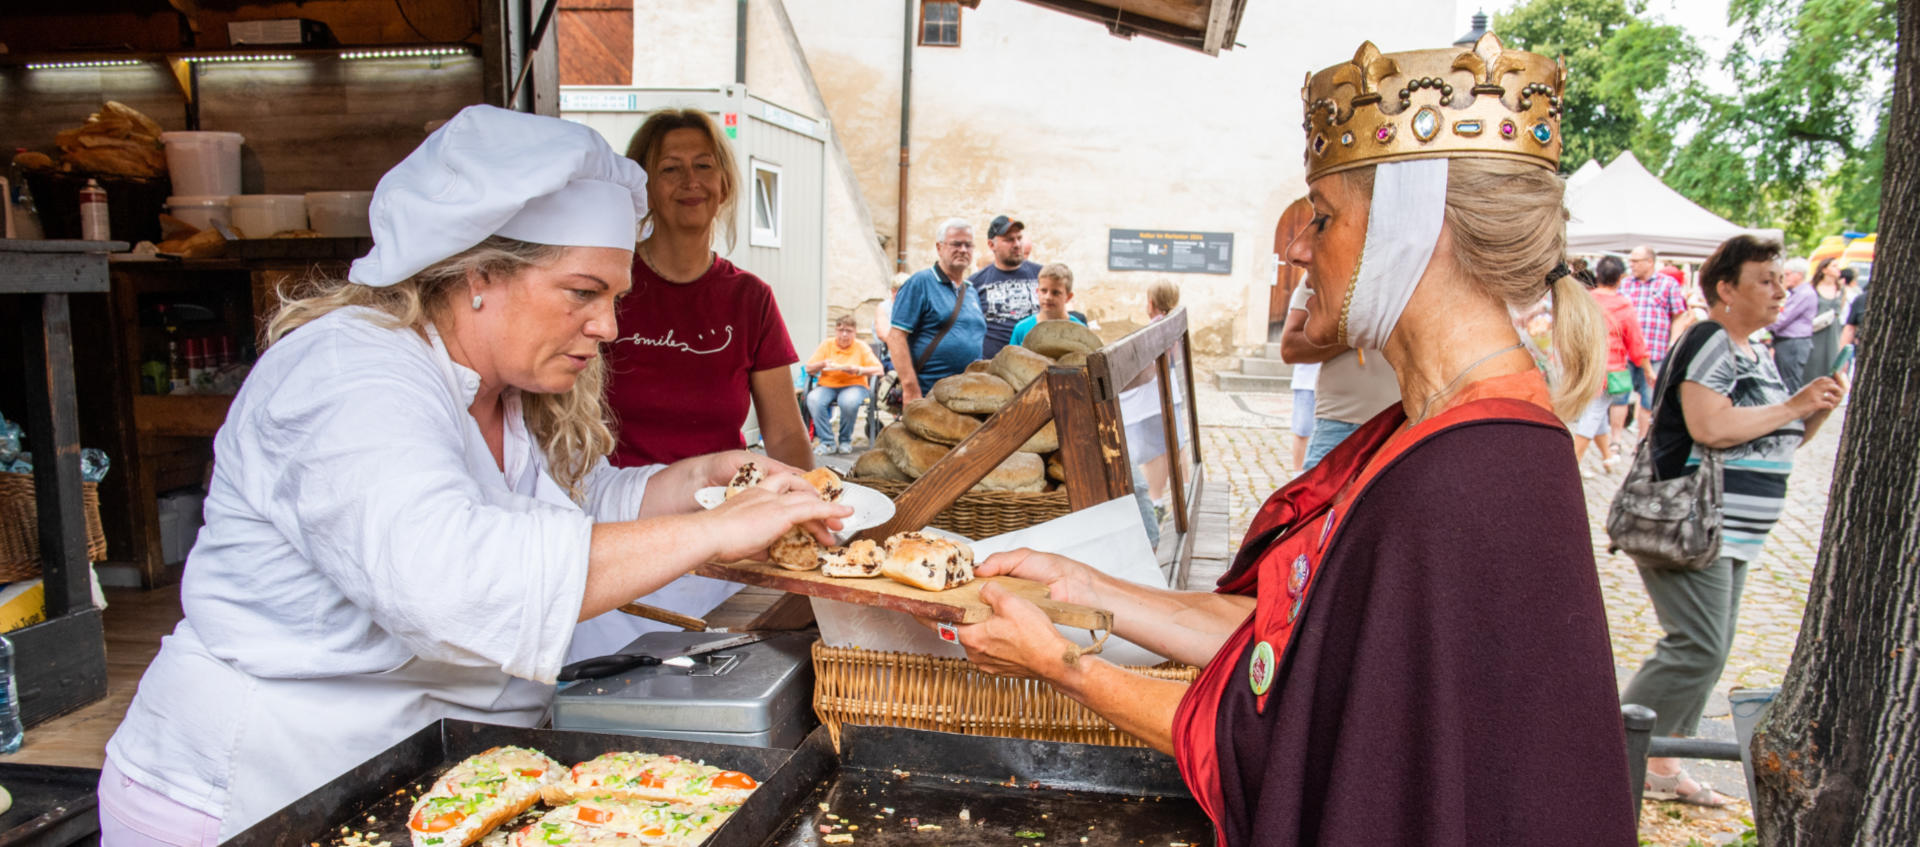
x,y
870,507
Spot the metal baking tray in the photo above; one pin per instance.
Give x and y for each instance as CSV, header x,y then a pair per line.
x,y
375,798
905,787
52,806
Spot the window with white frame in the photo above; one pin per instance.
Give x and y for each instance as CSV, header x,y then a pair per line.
x,y
764,230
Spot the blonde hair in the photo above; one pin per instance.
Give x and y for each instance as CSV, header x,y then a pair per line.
x,y
1509,228
570,427
644,149
1164,296
1059,271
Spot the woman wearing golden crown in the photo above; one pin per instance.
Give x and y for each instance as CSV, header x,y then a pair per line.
x,y
1410,646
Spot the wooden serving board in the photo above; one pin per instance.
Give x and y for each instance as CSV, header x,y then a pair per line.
x,y
954,605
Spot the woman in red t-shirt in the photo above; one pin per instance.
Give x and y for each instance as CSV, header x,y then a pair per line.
x,y
700,338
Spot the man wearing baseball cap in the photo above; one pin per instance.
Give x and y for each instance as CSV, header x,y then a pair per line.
x,y
1007,288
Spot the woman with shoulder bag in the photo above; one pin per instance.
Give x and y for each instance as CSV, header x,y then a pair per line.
x,y
1731,399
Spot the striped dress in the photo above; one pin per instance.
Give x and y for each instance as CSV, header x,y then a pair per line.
x,y
1756,472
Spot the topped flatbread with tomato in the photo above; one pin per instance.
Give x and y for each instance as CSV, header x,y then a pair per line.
x,y
605,821
479,794
648,776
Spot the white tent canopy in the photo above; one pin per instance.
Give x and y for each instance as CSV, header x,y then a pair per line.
x,y
1624,206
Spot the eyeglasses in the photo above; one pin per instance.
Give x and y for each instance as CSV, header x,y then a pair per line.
x,y
959,245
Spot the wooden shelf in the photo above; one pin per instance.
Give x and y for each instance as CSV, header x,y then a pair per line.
x,y
180,415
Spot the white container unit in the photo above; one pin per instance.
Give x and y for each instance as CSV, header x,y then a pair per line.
x,y
202,211
203,164
340,214
262,215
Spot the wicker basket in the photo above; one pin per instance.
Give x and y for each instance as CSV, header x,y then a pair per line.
x,y
878,688
986,514
20,527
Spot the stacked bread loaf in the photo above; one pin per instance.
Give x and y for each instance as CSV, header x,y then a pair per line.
x,y
930,426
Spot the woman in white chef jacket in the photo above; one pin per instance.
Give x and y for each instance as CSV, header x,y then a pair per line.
x,y
410,507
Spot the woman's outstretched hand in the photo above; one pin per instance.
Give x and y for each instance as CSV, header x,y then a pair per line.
x,y
1066,580
750,521
1018,640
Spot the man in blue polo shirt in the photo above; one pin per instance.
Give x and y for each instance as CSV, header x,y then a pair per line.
x,y
925,302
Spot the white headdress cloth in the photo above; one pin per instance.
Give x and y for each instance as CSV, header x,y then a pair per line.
x,y
492,171
1403,225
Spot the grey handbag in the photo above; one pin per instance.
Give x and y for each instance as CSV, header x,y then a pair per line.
x,y
1673,523
1670,524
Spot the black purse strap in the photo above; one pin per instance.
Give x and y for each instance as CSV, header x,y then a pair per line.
x,y
1667,434
960,299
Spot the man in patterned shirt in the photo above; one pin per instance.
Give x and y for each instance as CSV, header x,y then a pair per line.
x,y
1662,310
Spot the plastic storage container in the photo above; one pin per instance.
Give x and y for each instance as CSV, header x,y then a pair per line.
x,y
201,211
203,163
340,214
180,522
262,215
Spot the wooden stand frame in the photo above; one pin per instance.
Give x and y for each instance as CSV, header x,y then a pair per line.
x,y
61,663
1084,405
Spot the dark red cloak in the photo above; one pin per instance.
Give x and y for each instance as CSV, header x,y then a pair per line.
x,y
1449,679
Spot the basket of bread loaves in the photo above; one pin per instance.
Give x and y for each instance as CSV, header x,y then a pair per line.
x,y
1029,486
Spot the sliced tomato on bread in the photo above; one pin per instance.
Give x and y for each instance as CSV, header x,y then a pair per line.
x,y
479,794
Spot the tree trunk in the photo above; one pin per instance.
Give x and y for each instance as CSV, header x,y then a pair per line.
x,y
1837,760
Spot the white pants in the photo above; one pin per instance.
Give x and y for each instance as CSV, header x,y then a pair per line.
x,y
133,815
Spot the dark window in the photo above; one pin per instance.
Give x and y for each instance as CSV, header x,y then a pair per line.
x,y
940,23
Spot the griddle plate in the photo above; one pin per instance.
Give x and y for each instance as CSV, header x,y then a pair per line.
x,y
998,815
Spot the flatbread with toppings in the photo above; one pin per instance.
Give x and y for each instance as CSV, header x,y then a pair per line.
x,y
651,777
607,820
482,792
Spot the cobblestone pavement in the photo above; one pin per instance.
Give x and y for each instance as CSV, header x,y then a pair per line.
x,y
1245,441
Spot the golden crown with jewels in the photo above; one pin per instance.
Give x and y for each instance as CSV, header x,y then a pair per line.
x,y
1485,102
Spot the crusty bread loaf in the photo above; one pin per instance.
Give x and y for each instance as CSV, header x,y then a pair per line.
x,y
928,419
747,476
1046,440
826,482
910,453
1019,472
979,366
1054,339
1056,469
874,464
796,551
858,560
1072,360
923,561
1018,366
973,394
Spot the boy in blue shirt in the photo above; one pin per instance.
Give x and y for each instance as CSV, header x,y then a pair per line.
x,y
1054,290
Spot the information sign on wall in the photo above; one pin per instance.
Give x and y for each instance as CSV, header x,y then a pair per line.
x,y
1168,251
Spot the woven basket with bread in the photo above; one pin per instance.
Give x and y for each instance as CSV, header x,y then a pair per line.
x,y
1025,489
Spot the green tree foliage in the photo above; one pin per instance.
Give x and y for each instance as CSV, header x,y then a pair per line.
x,y
1801,144
1623,74
1797,145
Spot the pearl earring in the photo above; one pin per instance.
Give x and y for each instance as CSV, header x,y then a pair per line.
x,y
476,302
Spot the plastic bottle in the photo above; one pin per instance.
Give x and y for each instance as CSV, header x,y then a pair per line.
x,y
94,224
11,730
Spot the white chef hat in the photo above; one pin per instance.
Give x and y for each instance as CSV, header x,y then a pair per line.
x,y
492,171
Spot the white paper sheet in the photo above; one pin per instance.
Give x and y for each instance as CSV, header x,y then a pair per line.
x,y
1108,537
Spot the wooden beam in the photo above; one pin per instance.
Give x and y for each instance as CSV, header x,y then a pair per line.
x,y
1170,427
1131,356
1093,446
971,460
1219,18
53,434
